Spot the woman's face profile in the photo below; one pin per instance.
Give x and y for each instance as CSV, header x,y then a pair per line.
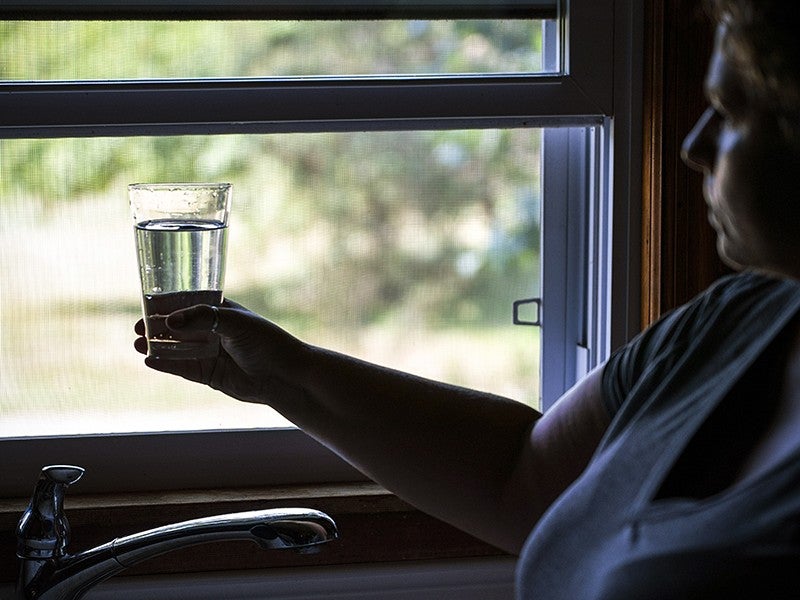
x,y
748,169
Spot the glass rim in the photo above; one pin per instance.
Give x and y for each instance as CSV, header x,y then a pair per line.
x,y
179,186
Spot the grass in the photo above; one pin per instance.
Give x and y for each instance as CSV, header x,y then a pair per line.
x,y
73,374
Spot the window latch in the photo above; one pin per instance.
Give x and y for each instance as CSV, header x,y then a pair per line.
x,y
537,320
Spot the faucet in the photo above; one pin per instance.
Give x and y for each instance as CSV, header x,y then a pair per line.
x,y
48,572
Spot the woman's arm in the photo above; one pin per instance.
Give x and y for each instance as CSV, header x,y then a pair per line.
x,y
486,464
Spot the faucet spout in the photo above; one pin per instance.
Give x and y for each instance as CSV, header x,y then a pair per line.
x,y
70,577
299,528
64,576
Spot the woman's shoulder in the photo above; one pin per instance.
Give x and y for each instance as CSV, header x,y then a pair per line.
x,y
752,284
738,298
730,317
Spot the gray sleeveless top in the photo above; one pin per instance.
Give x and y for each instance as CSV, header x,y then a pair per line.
x,y
655,514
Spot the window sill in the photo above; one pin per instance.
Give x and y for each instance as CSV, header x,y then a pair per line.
x,y
374,526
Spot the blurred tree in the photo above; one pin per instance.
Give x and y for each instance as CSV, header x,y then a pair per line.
x,y
438,223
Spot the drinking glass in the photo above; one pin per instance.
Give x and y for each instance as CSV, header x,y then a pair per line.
x,y
181,234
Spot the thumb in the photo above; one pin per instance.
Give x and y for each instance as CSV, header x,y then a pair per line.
x,y
202,317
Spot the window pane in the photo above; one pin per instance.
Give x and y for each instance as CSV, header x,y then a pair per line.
x,y
406,249
35,50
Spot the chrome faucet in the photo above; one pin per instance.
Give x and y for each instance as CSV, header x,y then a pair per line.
x,y
49,572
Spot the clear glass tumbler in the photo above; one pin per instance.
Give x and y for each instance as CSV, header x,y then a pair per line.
x,y
181,235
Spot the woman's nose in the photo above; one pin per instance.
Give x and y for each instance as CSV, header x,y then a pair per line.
x,y
699,146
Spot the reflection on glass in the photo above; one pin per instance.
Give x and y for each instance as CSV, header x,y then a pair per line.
x,y
35,50
406,249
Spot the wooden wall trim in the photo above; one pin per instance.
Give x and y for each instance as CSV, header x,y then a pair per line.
x,y
652,162
679,247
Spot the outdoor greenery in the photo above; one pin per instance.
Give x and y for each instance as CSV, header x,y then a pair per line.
x,y
404,247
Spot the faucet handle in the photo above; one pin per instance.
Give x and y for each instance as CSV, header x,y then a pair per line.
x,y
62,474
43,529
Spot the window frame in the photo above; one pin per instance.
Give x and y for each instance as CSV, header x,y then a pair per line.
x,y
580,93
598,85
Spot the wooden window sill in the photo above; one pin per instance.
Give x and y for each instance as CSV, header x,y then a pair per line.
x,y
374,526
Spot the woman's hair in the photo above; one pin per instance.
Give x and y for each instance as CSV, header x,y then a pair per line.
x,y
764,39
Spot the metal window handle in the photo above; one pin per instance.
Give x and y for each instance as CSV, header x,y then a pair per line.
x,y
537,322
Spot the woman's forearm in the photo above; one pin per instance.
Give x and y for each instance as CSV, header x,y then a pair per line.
x,y
446,449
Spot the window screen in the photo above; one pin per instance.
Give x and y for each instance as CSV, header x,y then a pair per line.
x,y
130,50
403,248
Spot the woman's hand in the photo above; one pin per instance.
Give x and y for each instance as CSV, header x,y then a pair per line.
x,y
257,361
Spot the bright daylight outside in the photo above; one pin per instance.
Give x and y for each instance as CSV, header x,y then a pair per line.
x,y
403,248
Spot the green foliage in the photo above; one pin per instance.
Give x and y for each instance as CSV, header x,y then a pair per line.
x,y
442,224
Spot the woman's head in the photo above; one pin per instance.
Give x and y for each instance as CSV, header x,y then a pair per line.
x,y
747,143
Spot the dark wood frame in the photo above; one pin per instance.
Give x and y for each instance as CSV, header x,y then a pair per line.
x,y
679,254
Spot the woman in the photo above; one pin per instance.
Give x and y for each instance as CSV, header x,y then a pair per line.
x,y
671,471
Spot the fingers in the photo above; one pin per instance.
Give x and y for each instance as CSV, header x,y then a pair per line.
x,y
140,344
189,328
197,318
228,321
197,370
201,317
196,323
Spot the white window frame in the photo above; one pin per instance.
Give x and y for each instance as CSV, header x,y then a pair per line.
x,y
590,307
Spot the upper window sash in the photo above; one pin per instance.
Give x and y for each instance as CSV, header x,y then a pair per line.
x,y
580,93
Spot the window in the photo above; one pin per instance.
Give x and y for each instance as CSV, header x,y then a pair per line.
x,y
381,200
405,248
